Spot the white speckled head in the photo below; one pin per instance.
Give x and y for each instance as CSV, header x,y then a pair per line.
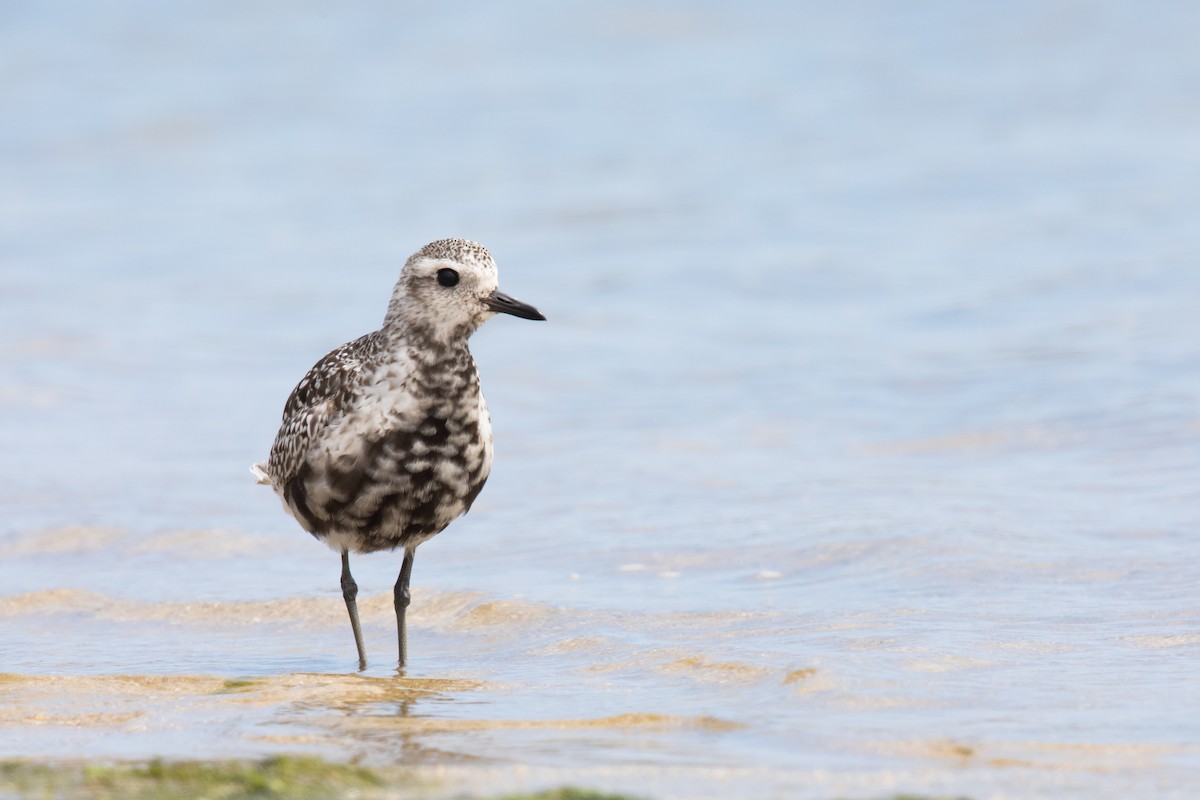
x,y
449,288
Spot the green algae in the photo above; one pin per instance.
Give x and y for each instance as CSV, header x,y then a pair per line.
x,y
275,778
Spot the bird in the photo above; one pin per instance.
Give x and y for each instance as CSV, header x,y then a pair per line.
x,y
387,439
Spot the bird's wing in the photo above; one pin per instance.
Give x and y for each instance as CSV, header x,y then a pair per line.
x,y
311,406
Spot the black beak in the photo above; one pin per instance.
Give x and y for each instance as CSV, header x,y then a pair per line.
x,y
501,303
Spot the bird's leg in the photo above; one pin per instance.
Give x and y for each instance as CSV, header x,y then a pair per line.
x,y
350,594
402,599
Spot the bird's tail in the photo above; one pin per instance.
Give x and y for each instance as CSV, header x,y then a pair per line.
x,y
260,472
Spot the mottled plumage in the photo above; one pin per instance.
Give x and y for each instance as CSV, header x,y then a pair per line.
x,y
387,439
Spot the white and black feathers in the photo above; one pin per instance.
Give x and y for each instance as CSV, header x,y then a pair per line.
x,y
387,439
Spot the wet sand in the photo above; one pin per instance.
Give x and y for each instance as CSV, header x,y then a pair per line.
x,y
484,730
375,722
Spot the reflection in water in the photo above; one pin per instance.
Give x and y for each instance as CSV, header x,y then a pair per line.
x,y
338,710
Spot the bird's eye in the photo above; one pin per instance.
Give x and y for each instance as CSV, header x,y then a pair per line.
x,y
447,277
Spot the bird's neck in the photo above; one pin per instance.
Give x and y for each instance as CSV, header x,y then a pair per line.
x,y
429,348
406,323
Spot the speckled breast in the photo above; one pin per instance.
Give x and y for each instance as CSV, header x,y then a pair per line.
x,y
408,456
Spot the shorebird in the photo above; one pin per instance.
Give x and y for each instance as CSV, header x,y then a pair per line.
x,y
387,439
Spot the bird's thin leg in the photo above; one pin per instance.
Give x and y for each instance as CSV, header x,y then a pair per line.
x,y
350,594
402,599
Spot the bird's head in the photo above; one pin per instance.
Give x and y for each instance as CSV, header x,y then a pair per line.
x,y
448,289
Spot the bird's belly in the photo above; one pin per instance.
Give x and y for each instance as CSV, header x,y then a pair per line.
x,y
393,491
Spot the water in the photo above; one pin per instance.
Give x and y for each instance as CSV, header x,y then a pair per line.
x,y
858,455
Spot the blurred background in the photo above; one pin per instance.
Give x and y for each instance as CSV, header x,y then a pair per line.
x,y
871,351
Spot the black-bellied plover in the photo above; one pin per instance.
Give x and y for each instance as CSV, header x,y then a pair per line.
x,y
387,439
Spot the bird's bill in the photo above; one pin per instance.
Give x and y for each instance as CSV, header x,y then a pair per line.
x,y
501,303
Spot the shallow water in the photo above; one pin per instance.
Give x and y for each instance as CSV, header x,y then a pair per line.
x,y
859,453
